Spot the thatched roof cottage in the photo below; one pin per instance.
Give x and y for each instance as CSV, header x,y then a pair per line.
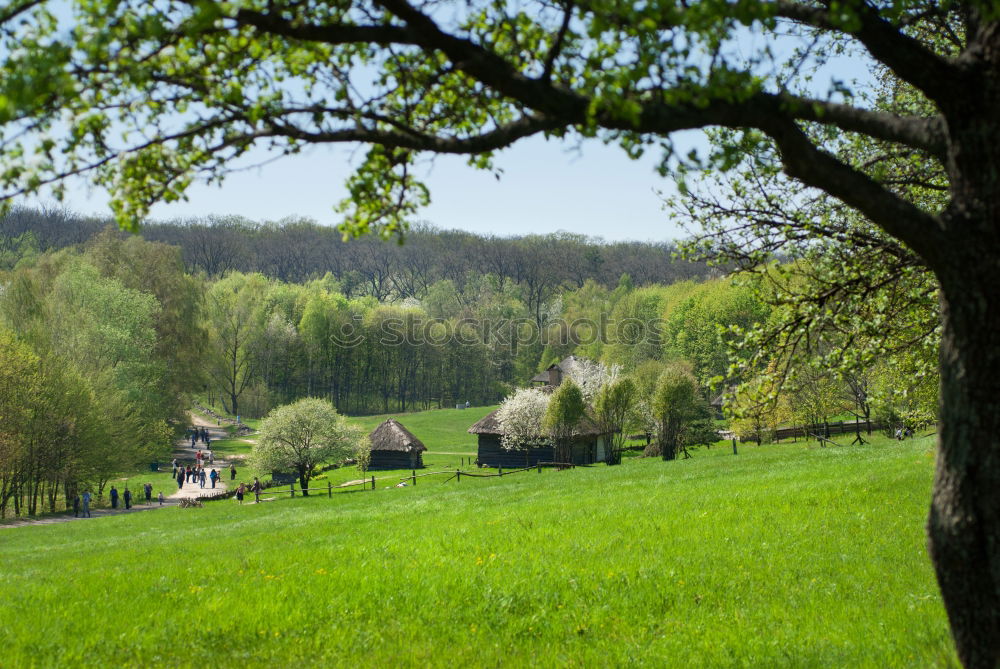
x,y
395,447
587,446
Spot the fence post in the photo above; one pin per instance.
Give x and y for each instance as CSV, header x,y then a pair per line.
x,y
291,488
500,469
539,467
329,489
734,446
458,475
413,476
373,481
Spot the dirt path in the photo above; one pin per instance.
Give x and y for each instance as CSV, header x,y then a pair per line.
x,y
184,453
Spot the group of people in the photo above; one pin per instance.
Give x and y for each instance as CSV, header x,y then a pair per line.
x,y
197,474
199,434
182,474
903,433
81,502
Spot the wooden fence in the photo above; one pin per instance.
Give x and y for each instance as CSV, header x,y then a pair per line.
x,y
371,483
839,427
804,431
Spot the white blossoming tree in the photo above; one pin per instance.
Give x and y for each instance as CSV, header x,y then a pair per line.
x,y
591,376
520,420
302,435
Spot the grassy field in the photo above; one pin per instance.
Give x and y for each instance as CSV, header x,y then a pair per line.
x,y
440,429
443,431
783,556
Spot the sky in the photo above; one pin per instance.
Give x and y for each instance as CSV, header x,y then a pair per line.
x,y
546,186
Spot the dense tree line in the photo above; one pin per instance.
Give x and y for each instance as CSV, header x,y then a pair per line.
x,y
97,345
427,327
296,250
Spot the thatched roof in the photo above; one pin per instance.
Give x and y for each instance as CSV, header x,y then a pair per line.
x,y
392,436
489,424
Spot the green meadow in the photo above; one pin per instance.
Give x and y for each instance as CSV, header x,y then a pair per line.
x,y
786,555
443,431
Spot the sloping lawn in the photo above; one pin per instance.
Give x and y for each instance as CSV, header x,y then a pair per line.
x,y
783,556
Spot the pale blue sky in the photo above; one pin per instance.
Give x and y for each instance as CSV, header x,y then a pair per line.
x,y
546,186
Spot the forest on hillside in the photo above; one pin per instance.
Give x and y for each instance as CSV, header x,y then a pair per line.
x,y
107,336
295,250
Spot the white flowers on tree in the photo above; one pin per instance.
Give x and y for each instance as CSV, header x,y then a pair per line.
x,y
301,436
520,419
591,376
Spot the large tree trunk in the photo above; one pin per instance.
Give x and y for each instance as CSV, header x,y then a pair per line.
x,y
964,523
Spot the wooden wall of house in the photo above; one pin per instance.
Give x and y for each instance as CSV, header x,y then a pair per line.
x,y
395,460
492,454
583,451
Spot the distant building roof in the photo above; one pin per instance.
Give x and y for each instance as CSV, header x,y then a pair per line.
x,y
392,436
568,366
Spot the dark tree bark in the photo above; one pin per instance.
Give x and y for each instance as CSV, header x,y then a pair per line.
x,y
964,524
304,476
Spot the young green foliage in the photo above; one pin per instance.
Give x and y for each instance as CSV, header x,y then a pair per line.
x,y
302,436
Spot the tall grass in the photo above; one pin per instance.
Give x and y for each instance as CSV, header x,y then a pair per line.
x,y
783,556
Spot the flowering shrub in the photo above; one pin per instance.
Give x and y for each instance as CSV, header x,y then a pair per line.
x,y
520,419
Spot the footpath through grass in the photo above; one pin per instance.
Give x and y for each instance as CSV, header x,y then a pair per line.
x,y
783,556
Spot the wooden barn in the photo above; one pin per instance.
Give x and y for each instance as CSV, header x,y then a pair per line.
x,y
588,446
395,447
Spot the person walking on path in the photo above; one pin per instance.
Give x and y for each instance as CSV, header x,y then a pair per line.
x,y
128,499
202,478
114,498
214,475
76,505
232,472
160,497
240,491
86,504
256,487
148,489
180,479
